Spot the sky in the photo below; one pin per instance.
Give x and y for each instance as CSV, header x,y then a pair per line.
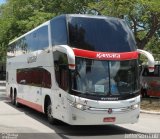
x,y
2,1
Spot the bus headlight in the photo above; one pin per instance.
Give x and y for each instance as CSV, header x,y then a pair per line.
x,y
135,106
79,106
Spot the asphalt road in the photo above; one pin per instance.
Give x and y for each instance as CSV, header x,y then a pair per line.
x,y
25,123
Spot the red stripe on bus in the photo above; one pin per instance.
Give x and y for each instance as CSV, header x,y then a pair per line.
x,y
72,65
151,67
30,104
105,55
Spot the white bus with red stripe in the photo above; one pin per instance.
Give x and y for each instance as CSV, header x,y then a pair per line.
x,y
80,69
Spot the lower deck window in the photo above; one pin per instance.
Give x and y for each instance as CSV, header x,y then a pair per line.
x,y
34,76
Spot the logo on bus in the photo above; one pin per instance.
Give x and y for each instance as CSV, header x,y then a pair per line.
x,y
109,111
109,99
100,55
31,59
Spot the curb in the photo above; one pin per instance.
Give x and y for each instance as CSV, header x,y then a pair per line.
x,y
2,83
150,112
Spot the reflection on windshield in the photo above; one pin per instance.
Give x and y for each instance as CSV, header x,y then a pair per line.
x,y
91,76
114,67
100,34
105,77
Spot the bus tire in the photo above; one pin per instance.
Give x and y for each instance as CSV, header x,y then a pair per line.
x,y
15,98
50,118
12,96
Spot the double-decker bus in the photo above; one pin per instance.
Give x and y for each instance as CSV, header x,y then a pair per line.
x,y
80,69
150,81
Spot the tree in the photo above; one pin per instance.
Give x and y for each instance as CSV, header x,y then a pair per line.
x,y
143,16
17,17
28,14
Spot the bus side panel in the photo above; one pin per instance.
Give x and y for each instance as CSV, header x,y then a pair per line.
x,y
11,79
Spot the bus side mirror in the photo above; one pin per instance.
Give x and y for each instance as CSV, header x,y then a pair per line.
x,y
70,54
151,61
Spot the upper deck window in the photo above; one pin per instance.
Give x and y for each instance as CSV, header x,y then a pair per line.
x,y
100,34
36,40
59,31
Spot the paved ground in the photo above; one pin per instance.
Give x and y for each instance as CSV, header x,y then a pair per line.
x,y
148,123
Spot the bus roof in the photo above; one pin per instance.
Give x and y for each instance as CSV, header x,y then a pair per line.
x,y
92,16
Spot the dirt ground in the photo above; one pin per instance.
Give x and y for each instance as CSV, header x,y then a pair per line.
x,y
150,104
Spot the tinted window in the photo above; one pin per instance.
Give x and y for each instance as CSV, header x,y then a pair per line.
x,y
43,41
124,75
35,77
11,50
61,70
58,31
37,40
108,34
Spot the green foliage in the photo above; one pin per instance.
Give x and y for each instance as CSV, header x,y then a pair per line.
x,y
154,47
17,17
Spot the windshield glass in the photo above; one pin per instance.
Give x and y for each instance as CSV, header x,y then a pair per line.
x,y
105,77
100,34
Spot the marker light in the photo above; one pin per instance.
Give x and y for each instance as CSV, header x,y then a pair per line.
x,y
135,106
79,106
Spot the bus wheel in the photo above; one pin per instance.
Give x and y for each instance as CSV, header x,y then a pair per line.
x,y
15,98
50,118
12,98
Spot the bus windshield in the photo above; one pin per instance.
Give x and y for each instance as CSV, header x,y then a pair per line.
x,y
105,78
103,35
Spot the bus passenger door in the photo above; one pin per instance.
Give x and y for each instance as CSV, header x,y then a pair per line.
x,y
62,79
61,93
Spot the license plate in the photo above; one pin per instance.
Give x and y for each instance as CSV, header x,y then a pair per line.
x,y
109,119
